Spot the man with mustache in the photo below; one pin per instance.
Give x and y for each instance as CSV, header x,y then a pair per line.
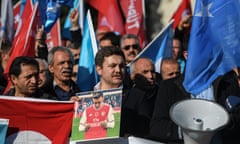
x,y
60,64
110,66
24,75
130,47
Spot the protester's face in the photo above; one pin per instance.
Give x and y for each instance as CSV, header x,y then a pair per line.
x,y
169,70
130,49
176,48
97,102
62,67
105,43
27,82
42,74
76,53
75,71
145,68
113,70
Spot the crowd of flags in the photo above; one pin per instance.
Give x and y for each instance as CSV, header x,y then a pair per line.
x,y
213,45
212,48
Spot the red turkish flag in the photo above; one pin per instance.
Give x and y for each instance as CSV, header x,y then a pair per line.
x,y
135,21
54,37
110,9
24,40
183,10
37,121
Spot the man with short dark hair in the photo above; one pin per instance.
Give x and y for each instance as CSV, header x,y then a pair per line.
x,y
24,75
110,66
110,39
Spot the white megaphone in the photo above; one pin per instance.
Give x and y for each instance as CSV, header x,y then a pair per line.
x,y
198,119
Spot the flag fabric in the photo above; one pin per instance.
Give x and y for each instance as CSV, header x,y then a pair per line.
x,y
16,12
3,129
160,47
111,11
22,10
24,41
183,10
87,75
135,19
7,21
54,36
37,121
77,4
214,43
50,11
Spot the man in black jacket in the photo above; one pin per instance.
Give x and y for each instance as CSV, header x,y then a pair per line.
x,y
24,75
138,101
162,128
60,61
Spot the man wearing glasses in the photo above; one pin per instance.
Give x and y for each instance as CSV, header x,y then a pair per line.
x,y
130,47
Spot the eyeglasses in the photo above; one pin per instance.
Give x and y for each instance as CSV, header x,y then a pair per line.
x,y
134,46
172,73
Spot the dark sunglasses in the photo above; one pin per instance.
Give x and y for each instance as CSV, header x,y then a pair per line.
x,y
127,47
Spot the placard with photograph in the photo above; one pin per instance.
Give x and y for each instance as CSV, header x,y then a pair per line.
x,y
97,115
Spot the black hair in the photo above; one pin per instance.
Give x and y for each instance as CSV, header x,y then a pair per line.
x,y
15,67
106,52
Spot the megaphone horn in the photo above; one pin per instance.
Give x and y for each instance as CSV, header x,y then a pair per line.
x,y
199,119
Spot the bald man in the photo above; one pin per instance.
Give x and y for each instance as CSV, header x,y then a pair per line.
x,y
138,103
169,69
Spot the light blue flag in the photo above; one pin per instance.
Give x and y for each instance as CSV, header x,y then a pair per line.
x,y
87,76
77,4
214,43
7,21
50,11
160,47
3,130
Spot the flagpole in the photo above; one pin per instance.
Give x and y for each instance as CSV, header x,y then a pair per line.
x,y
81,15
3,21
92,33
151,42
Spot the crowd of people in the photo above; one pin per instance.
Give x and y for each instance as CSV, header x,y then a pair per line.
x,y
147,95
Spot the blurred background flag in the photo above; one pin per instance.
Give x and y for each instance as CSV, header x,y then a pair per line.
x,y
50,11
134,13
87,75
109,15
7,21
214,43
3,129
183,9
79,5
24,41
160,47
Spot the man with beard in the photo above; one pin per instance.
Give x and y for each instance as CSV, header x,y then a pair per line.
x,y
60,64
130,47
110,66
24,75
